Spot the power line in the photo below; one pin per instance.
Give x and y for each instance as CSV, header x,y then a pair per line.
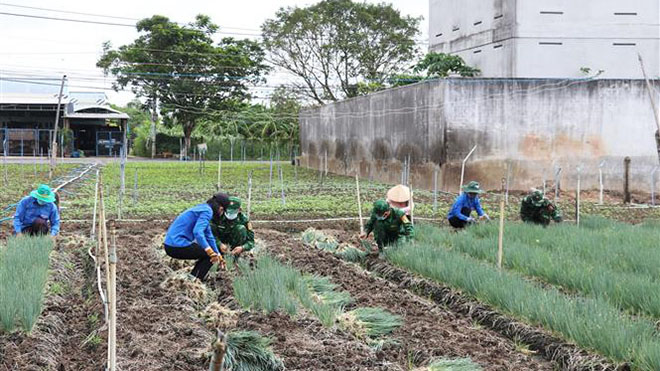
x,y
67,11
105,23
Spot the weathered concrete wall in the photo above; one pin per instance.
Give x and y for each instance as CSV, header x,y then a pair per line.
x,y
535,126
550,38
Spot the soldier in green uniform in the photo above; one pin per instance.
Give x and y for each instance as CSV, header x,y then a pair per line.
x,y
389,225
537,209
233,231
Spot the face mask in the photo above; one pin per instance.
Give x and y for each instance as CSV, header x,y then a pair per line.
x,y
231,216
382,217
41,202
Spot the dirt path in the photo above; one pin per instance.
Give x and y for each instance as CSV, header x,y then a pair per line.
x,y
428,330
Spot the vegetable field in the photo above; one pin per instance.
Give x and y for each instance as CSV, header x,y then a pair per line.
x,y
567,297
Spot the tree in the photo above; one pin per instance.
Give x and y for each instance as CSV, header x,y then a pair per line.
x,y
178,68
442,65
334,44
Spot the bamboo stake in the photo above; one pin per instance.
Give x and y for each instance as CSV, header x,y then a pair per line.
x,y
112,287
219,350
500,238
411,205
96,199
270,180
359,202
435,191
600,182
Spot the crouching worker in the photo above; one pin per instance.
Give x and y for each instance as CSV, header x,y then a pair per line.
x,y
233,231
536,208
460,213
37,213
390,225
190,237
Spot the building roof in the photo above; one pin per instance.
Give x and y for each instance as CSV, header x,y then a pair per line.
x,y
96,112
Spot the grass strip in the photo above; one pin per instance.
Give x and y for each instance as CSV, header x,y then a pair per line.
x,y
589,322
459,364
627,291
23,274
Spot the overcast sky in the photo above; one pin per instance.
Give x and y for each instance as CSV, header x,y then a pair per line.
x,y
50,48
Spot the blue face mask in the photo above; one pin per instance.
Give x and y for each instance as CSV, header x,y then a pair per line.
x,y
382,217
41,202
231,216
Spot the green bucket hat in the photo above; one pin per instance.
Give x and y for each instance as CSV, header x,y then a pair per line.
x,y
472,187
233,205
537,197
380,207
43,193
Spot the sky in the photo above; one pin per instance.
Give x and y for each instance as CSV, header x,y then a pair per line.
x,y
49,48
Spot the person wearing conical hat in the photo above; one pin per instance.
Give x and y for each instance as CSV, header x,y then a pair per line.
x,y
232,230
399,197
460,213
390,225
37,214
536,208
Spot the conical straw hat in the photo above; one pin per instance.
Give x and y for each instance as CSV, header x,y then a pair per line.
x,y
399,193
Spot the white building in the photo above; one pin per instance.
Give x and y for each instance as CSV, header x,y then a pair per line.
x,y
549,38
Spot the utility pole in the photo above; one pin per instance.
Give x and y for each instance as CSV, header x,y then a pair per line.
x,y
53,145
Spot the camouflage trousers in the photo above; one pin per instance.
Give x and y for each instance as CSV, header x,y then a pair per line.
x,y
233,236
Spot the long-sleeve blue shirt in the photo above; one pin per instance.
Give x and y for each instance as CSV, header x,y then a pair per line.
x,y
465,201
192,225
28,209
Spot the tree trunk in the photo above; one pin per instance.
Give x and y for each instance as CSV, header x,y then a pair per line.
x,y
187,132
154,118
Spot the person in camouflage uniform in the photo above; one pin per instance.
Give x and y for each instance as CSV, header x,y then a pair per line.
x,y
389,225
537,209
233,231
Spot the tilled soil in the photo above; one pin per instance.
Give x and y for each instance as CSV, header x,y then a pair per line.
x,y
428,331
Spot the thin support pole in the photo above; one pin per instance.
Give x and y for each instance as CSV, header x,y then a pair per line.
x,y
249,203
411,205
359,202
34,161
435,191
326,163
626,180
219,169
508,180
500,237
135,188
96,201
282,185
655,169
600,182
112,287
460,186
53,145
557,182
270,179
577,198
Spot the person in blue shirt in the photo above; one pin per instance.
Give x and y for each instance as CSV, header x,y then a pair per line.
x,y
468,201
190,236
37,213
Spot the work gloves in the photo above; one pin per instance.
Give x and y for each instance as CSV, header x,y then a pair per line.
x,y
215,257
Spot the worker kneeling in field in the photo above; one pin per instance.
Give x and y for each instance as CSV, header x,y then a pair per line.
x,y
37,213
390,225
190,237
399,197
232,230
536,208
460,213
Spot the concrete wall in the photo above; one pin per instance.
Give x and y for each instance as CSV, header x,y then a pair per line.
x,y
549,39
535,125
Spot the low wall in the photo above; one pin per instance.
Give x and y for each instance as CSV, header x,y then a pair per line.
x,y
530,126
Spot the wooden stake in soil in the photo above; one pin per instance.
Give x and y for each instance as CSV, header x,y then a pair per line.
x,y
359,202
219,350
411,205
600,182
112,288
96,201
500,238
435,191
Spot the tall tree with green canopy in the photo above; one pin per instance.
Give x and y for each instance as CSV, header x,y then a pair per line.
x,y
180,69
335,44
